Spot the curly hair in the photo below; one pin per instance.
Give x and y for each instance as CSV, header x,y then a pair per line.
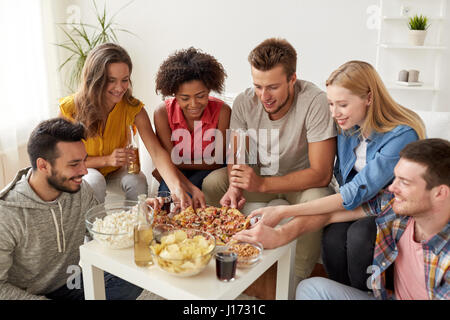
x,y
187,65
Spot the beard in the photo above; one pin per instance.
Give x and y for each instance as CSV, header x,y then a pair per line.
x,y
281,105
411,207
57,182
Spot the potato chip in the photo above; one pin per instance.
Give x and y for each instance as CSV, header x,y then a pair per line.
x,y
180,254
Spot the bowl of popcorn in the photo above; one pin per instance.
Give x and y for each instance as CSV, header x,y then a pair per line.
x,y
249,253
112,224
183,252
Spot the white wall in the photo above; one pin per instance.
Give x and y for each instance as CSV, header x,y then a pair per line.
x,y
326,33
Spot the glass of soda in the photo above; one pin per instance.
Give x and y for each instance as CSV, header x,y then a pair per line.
x,y
226,262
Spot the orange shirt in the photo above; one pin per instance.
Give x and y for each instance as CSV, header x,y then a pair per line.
x,y
115,132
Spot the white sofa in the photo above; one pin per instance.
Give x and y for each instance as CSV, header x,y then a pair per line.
x,y
437,125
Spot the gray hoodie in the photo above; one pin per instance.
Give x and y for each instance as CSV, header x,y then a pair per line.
x,y
39,240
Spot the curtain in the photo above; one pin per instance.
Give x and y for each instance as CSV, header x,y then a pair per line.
x,y
25,58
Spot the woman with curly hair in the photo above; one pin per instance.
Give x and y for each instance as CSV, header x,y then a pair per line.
x,y
105,105
188,123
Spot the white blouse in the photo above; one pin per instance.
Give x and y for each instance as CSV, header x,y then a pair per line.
x,y
360,152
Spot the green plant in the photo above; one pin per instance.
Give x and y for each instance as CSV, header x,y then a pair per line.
x,y
418,22
83,37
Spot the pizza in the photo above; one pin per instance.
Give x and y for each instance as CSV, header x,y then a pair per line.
x,y
222,222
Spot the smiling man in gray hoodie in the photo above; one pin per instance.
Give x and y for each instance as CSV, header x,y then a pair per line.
x,y
42,219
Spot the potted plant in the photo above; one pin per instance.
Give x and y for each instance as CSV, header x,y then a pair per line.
x,y
418,26
81,38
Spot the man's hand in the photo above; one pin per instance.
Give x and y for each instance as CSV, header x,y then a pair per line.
x,y
269,237
120,157
244,177
270,216
233,198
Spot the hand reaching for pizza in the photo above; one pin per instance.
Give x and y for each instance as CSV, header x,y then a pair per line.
x,y
269,237
198,198
270,216
244,177
233,198
155,203
182,197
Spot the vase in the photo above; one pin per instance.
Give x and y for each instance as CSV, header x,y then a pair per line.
x,y
417,37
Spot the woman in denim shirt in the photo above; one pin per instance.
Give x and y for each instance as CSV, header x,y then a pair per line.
x,y
373,129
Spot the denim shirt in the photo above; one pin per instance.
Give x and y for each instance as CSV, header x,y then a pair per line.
x,y
382,155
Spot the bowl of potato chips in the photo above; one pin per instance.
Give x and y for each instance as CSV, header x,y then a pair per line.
x,y
183,252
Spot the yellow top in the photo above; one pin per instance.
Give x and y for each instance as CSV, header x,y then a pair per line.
x,y
115,132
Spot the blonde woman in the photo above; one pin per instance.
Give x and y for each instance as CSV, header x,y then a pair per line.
x,y
373,129
105,105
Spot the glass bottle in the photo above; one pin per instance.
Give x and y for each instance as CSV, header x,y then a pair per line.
x,y
238,146
134,166
143,234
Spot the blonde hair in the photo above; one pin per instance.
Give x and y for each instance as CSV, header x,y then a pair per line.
x,y
89,100
383,113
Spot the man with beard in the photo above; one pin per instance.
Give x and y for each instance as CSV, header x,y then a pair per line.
x,y
296,166
42,215
412,251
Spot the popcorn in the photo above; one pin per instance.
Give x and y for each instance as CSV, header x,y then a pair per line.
x,y
116,229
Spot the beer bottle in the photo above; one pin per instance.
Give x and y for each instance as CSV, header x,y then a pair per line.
x,y
143,234
134,166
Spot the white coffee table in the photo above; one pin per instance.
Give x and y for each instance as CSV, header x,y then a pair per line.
x,y
95,259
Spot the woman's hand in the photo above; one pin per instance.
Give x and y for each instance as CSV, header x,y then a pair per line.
x,y
270,216
180,196
198,198
120,157
155,203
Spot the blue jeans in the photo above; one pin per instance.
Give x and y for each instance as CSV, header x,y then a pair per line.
x,y
115,289
194,176
318,288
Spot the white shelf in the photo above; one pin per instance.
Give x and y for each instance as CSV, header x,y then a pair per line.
x,y
392,43
408,46
424,87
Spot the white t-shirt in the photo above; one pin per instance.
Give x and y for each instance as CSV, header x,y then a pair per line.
x,y
360,152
